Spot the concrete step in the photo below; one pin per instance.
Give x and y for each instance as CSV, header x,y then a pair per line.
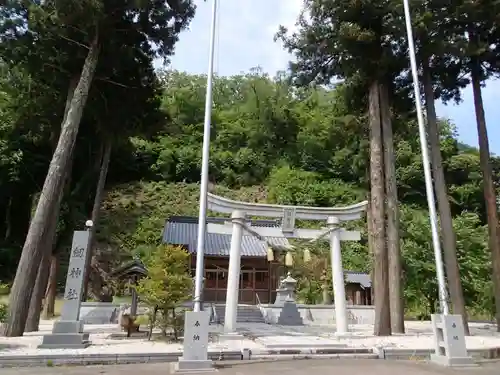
x,y
245,314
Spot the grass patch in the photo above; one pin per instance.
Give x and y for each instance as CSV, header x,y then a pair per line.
x,y
59,303
57,306
124,299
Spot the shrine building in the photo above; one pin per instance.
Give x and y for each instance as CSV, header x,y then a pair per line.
x,y
259,277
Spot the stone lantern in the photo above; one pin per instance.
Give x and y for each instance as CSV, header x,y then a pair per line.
x,y
285,298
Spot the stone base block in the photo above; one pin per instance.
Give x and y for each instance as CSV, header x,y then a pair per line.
x,y
65,341
189,366
453,361
67,326
99,312
289,315
343,334
231,337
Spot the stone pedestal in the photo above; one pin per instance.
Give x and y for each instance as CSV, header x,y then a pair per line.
x,y
231,336
290,315
195,354
68,332
186,366
449,341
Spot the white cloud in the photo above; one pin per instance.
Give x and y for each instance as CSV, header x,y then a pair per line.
x,y
287,16
244,36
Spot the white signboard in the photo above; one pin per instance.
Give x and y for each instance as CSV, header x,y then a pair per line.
x,y
196,335
454,336
74,278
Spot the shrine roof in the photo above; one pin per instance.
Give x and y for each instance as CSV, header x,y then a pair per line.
x,y
183,230
361,278
132,268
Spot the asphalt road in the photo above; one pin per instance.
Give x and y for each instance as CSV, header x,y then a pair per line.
x,y
292,367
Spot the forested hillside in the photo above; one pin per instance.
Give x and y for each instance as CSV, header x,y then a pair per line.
x,y
271,143
89,129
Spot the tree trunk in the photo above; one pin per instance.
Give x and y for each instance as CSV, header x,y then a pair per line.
x,y
41,284
443,203
49,202
392,229
96,209
382,325
33,319
51,292
489,188
369,224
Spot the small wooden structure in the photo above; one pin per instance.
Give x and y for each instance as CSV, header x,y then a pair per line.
x,y
131,271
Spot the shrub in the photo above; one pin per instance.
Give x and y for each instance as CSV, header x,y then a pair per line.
x,y
166,287
4,289
3,312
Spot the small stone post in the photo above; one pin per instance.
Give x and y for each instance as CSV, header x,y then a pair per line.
x,y
324,288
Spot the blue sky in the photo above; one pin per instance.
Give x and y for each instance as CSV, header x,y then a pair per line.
x,y
244,39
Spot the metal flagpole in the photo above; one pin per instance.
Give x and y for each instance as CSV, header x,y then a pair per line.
x,y
202,216
427,169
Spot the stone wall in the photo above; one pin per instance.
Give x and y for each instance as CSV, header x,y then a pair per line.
x,y
99,312
322,314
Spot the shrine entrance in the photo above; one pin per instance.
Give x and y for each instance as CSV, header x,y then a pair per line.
x,y
238,225
254,281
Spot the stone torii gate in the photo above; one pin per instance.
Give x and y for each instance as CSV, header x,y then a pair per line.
x,y
331,215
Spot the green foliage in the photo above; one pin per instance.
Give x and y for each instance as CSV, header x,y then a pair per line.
x,y
166,287
168,283
134,214
271,141
4,289
298,187
419,269
171,319
3,312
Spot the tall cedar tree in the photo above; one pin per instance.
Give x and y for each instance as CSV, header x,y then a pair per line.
x,y
94,25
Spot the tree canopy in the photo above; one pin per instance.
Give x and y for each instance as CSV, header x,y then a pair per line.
x,y
304,136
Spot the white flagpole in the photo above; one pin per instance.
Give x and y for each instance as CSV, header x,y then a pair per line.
x,y
427,168
202,216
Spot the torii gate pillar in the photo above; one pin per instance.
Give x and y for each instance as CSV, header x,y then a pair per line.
x,y
233,273
338,277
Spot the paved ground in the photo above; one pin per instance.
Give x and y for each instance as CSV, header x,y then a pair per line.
x,y
297,367
258,337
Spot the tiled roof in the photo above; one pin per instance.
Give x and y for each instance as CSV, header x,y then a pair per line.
x,y
358,278
183,230
134,267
